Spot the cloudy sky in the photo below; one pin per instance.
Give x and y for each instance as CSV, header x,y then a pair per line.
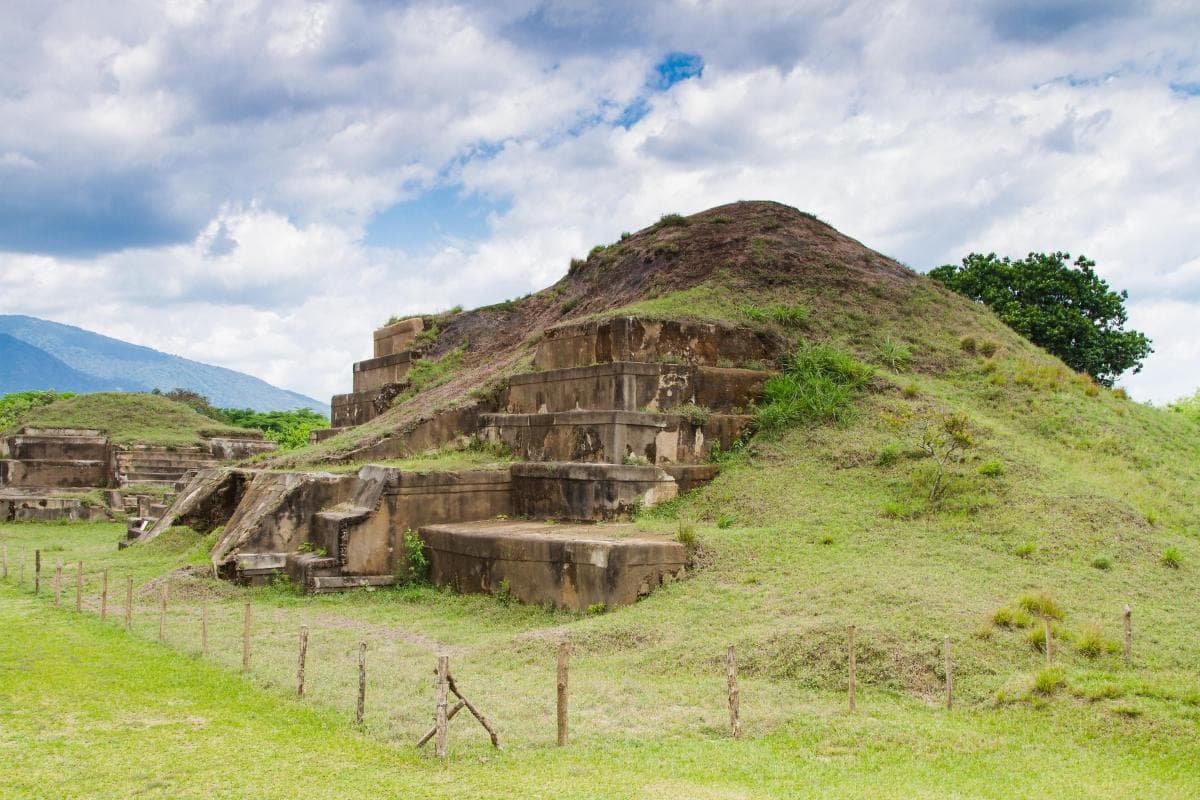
x,y
259,184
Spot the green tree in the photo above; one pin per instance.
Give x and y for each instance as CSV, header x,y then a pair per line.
x,y
1066,308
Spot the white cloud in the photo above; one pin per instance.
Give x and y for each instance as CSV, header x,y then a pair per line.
x,y
257,140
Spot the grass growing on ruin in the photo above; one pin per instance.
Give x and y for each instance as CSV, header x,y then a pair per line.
x,y
128,418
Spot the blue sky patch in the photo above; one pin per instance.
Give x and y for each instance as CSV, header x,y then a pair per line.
x,y
676,67
1190,89
446,212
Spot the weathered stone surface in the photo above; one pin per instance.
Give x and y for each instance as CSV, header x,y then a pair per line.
x,y
375,373
587,492
442,428
356,408
636,339
17,505
208,501
397,337
273,519
573,567
225,448
611,437
365,534
633,386
52,473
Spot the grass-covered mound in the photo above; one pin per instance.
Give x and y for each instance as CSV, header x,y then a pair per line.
x,y
129,418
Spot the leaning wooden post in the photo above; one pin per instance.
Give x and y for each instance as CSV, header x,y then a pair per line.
x,y
246,639
79,586
1049,642
362,683
949,677
303,658
37,571
58,583
204,629
128,603
103,595
1127,614
852,685
564,660
443,690
735,722
162,614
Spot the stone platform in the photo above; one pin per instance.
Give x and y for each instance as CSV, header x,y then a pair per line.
x,y
568,566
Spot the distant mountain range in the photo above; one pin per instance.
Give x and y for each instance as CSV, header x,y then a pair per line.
x,y
37,354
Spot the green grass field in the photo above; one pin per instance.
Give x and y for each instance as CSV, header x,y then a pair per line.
x,y
128,418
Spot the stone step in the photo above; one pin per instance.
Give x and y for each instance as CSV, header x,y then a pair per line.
x,y
375,373
614,437
569,566
580,344
634,386
55,473
587,492
340,583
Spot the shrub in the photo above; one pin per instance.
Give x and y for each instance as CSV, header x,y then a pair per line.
x,y
597,250
988,348
967,343
827,539
1006,617
1102,562
943,440
894,354
596,608
1090,642
818,384
672,221
911,390
634,460
725,521
1041,604
1025,550
1037,637
1120,394
696,416
686,535
576,265
569,305
889,455
1049,681
416,568
1171,557
992,469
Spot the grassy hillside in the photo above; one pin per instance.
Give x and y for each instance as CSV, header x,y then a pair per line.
x,y
1067,502
128,418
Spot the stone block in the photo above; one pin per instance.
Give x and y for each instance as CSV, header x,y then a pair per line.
x,y
398,336
571,567
581,344
633,386
375,373
587,492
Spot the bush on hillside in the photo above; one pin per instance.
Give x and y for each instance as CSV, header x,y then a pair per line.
x,y
288,429
818,384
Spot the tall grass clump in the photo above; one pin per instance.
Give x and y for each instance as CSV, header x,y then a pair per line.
x,y
817,385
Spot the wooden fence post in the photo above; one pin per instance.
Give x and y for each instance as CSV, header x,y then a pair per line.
x,y
564,660
103,595
735,722
303,658
852,685
1128,619
128,603
204,629
362,683
949,677
246,640
79,586
37,571
1049,642
58,584
21,580
162,614
443,690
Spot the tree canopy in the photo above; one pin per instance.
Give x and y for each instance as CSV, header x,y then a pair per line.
x,y
1065,308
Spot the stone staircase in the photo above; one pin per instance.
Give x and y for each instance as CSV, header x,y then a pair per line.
x,y
618,415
